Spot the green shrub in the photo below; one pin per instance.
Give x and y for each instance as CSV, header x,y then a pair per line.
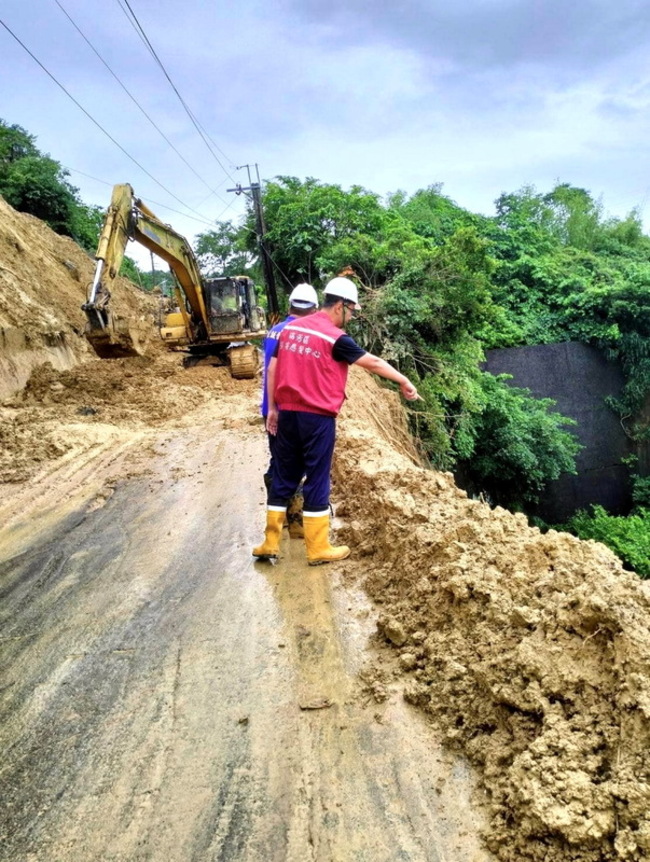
x,y
641,490
519,444
628,537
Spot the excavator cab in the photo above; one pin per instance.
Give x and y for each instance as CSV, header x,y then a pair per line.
x,y
233,306
223,335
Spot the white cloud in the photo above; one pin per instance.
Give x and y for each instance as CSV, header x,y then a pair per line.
x,y
481,96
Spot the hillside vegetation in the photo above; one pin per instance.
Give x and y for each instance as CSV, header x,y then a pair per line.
x,y
442,285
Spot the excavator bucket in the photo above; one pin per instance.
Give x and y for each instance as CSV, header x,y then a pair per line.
x,y
118,339
111,336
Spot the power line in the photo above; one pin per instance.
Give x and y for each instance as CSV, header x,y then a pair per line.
x,y
98,124
243,227
155,203
134,100
143,36
210,222
197,125
207,197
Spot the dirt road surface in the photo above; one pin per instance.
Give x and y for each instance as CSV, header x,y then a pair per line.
x,y
165,697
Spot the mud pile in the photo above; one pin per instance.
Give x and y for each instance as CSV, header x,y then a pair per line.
x,y
60,410
530,652
43,283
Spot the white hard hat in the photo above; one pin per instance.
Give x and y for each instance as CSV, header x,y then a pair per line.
x,y
344,289
303,296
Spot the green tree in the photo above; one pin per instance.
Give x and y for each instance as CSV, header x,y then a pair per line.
x,y
15,144
223,251
439,296
87,223
307,219
519,444
576,217
34,183
432,214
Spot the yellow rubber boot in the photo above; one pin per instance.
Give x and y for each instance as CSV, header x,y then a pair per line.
x,y
317,539
270,547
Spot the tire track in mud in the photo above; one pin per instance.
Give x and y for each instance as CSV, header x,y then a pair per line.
x,y
373,785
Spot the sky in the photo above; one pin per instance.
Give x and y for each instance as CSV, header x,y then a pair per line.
x,y
482,96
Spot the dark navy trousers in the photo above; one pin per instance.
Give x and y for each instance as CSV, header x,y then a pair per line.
x,y
304,446
272,439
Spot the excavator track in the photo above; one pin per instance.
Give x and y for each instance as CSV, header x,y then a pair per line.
x,y
244,361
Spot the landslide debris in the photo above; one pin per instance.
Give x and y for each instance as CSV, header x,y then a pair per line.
x,y
43,283
530,652
58,411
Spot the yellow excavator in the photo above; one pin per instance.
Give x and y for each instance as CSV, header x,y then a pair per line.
x,y
213,317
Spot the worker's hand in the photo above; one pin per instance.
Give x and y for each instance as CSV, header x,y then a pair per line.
x,y
409,391
272,421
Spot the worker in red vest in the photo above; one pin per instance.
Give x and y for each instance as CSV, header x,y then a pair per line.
x,y
306,381
302,302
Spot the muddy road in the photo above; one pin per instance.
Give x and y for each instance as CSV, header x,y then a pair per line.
x,y
164,697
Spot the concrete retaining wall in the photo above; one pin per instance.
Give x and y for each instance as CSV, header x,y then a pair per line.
x,y
578,378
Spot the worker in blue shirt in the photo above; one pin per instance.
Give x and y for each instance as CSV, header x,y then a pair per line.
x,y
302,302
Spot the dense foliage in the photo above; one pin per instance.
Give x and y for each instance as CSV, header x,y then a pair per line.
x,y
36,184
628,537
518,444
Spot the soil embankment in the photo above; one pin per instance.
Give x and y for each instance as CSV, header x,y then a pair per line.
x,y
43,282
529,653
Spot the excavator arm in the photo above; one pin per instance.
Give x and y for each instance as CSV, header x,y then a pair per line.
x,y
217,317
128,218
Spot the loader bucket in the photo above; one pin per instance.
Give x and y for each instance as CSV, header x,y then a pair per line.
x,y
119,339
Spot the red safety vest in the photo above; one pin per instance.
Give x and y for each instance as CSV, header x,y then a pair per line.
x,y
307,377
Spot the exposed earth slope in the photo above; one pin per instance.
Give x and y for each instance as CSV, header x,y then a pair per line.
x,y
43,281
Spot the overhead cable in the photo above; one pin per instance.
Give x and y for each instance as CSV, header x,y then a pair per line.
x,y
207,197
206,221
139,29
135,101
98,124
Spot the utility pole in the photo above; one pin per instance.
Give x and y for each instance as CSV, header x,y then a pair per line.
x,y
255,190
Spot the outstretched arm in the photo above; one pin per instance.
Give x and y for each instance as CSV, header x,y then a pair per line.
x,y
379,366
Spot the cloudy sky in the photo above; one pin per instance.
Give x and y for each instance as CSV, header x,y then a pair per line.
x,y
484,96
